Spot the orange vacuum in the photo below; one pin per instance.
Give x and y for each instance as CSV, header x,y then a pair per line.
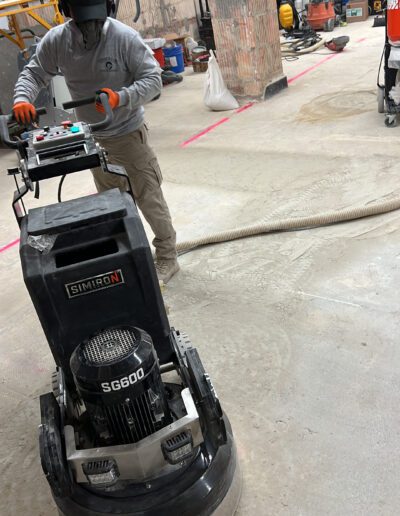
x,y
321,15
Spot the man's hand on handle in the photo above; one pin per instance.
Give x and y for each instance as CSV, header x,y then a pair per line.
x,y
113,99
24,113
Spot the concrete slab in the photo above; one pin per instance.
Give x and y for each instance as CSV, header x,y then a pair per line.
x,y
298,330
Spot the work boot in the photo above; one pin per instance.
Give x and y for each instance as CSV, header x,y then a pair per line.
x,y
166,269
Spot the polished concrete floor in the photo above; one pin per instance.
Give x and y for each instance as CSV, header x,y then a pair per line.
x,y
300,330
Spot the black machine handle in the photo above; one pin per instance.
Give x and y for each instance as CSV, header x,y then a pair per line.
x,y
202,11
77,103
91,100
5,133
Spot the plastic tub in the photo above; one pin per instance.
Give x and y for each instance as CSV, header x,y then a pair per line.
x,y
174,57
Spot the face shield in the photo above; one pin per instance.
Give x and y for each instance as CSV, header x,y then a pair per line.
x,y
89,15
88,10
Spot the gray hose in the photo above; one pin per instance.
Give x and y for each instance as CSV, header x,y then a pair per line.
x,y
288,224
292,52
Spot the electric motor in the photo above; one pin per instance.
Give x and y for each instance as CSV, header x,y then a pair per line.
x,y
117,375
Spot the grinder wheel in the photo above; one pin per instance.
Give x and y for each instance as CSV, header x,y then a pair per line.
x,y
51,448
210,486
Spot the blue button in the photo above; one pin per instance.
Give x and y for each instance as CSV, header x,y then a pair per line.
x,y
74,129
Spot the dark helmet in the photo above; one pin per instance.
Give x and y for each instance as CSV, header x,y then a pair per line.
x,y
86,10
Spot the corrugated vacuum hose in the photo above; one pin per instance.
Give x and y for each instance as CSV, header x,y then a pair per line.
x,y
298,47
292,224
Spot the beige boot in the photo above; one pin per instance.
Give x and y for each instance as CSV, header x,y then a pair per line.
x,y
166,269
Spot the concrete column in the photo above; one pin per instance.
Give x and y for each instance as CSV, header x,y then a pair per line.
x,y
248,49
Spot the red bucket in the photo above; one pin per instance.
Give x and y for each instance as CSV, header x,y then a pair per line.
x,y
159,55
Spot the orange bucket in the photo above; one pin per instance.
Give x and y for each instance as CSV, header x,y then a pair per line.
x,y
321,16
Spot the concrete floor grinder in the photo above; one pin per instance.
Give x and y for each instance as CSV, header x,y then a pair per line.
x,y
133,425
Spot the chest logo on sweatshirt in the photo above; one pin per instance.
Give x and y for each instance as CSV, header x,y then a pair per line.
x,y
110,65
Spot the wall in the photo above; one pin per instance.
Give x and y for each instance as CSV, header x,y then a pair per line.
x,y
158,17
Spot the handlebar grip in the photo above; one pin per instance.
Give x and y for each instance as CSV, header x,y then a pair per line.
x,y
81,102
39,111
108,112
91,100
4,133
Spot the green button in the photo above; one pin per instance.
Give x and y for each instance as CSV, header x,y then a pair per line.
x,y
74,129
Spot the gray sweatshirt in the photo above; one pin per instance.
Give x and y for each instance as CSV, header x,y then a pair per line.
x,y
120,61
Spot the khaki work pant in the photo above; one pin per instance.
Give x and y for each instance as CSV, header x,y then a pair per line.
x,y
133,152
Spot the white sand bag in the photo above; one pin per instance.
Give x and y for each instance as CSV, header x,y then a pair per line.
x,y
216,95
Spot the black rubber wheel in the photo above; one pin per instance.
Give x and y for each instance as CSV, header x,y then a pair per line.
x,y
199,491
329,25
390,122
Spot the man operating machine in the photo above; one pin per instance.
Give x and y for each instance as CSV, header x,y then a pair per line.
x,y
97,53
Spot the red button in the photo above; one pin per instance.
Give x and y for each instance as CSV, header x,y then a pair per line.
x,y
39,138
66,124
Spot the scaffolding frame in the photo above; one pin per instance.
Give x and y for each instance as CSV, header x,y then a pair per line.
x,y
12,8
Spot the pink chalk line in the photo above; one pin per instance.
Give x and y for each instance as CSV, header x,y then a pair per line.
x,y
214,126
311,68
9,245
244,108
205,131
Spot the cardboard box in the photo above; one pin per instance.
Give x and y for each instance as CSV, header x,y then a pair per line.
x,y
357,11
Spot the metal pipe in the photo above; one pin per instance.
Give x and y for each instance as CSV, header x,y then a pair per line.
x,y
4,132
90,100
166,368
138,11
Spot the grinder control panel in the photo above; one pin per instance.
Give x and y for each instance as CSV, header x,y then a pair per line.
x,y
63,149
67,132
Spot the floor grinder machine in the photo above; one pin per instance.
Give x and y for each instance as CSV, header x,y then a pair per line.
x,y
133,425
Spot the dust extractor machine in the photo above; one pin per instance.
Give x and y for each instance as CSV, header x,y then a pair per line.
x,y
389,90
133,425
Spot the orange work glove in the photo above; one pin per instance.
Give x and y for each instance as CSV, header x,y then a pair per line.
x,y
113,99
24,112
